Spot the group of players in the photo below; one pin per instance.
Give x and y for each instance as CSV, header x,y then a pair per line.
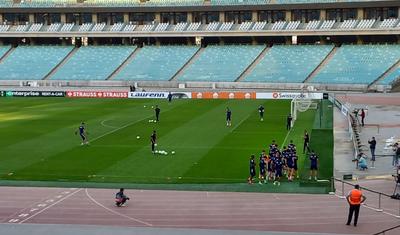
x,y
277,163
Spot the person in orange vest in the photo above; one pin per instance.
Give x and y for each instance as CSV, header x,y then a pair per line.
x,y
354,198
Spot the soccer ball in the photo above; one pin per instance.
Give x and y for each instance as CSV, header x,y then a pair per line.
x,y
173,152
137,137
144,106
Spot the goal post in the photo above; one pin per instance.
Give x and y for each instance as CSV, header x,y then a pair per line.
x,y
301,104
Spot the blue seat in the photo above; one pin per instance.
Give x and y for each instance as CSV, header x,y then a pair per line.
x,y
288,63
32,62
390,78
93,63
358,64
156,63
221,63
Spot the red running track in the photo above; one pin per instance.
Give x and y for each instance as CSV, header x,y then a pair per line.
x,y
181,209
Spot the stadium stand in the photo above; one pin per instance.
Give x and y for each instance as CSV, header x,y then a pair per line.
x,y
22,28
259,26
388,23
35,27
394,76
240,2
4,28
54,27
348,24
221,63
32,62
245,26
312,25
93,63
4,50
161,27
366,24
226,26
284,63
67,27
148,27
180,26
213,26
117,27
156,63
327,24
358,64
85,27
98,27
193,26
129,28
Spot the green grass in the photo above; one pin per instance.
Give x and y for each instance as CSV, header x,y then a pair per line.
x,y
37,141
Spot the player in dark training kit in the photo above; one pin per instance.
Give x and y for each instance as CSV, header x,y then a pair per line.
x,y
82,133
252,170
157,110
153,140
228,117
313,165
262,165
261,112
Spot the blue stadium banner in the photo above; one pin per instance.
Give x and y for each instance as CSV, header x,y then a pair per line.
x,y
32,93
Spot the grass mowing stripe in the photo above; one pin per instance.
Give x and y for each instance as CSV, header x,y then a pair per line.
x,y
206,150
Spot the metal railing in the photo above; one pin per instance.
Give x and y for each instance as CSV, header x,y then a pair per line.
x,y
378,201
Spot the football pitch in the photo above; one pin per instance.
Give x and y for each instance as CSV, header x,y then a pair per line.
x,y
38,141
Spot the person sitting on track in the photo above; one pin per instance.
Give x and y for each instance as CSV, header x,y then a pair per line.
x,y
120,198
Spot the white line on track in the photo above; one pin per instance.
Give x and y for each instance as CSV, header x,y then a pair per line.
x,y
49,206
115,212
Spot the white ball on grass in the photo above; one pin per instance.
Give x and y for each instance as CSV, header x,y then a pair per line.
x,y
137,137
173,152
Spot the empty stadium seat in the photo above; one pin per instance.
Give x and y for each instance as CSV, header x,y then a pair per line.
x,y
221,63
3,50
93,63
358,64
156,63
288,63
32,62
390,78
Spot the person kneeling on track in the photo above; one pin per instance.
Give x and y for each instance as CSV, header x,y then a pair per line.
x,y
120,198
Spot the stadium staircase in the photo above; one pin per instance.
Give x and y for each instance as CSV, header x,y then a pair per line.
x,y
63,61
321,65
253,64
7,54
187,64
386,73
122,66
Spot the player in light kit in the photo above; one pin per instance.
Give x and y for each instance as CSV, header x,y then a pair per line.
x,y
228,117
83,133
261,112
